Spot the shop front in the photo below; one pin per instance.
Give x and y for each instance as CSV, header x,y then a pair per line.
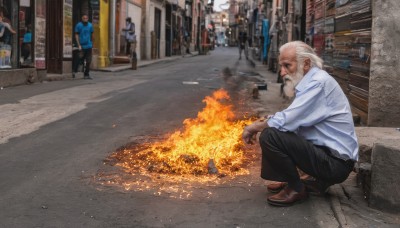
x,y
22,41
60,30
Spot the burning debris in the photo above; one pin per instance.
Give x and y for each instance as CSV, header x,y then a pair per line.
x,y
208,144
211,167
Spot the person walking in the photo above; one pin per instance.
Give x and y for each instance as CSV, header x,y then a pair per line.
x,y
242,44
186,37
84,40
315,133
130,37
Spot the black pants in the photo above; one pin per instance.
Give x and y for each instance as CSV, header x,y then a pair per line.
x,y
26,50
282,152
128,47
81,56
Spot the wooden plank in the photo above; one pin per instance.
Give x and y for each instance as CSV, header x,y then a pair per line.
x,y
340,73
358,101
359,81
360,73
360,92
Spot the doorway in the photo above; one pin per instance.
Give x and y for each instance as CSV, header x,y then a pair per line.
x,y
54,29
157,30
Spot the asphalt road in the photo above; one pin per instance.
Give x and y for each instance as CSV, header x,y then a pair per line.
x,y
55,136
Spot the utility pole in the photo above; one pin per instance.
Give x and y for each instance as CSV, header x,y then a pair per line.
x,y
112,30
290,20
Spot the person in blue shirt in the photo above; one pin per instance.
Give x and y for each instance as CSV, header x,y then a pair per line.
x,y
315,133
84,40
26,43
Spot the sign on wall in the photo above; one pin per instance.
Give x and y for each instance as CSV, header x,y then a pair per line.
x,y
25,3
68,28
40,34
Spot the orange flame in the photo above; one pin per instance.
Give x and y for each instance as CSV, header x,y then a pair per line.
x,y
211,143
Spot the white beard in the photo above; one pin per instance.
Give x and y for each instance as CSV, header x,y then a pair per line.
x,y
296,77
291,81
288,88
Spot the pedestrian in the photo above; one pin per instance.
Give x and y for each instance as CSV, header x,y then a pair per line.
x,y
205,43
6,40
6,31
130,37
242,44
84,40
315,133
186,37
26,43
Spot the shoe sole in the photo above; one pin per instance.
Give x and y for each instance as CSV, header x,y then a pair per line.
x,y
309,190
277,204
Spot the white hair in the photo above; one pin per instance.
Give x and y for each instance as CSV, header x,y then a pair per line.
x,y
303,51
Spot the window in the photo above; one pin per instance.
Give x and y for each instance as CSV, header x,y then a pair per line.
x,y
8,34
26,30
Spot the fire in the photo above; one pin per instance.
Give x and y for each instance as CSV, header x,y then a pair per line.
x,y
208,144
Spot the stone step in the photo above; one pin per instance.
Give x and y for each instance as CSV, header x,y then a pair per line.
x,y
121,59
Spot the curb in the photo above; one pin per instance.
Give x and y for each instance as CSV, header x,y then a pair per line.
x,y
336,206
144,64
65,76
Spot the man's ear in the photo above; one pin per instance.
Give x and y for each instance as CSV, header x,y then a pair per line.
x,y
307,65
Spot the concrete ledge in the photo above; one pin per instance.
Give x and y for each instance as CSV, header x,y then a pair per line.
x,y
379,150
385,178
22,76
370,135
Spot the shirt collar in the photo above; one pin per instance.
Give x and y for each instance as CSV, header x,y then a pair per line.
x,y
307,78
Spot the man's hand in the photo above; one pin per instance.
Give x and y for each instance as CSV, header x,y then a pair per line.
x,y
253,129
80,47
248,136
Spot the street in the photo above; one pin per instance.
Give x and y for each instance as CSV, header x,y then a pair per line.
x,y
56,135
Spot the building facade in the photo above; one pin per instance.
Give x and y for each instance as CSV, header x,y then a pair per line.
x,y
22,41
39,38
349,36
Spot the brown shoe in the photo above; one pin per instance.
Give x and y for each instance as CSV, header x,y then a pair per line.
x,y
288,197
276,187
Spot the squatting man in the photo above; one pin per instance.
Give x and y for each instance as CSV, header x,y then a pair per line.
x,y
315,134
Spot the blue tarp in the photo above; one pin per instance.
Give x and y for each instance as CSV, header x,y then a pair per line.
x,y
265,33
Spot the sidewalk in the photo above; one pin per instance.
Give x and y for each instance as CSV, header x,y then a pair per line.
x,y
144,63
122,67
347,199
